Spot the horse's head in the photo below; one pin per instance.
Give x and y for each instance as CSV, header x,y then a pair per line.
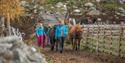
x,y
79,28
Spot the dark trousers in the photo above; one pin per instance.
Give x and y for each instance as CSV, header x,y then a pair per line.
x,y
52,42
60,44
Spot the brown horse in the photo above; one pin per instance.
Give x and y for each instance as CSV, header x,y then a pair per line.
x,y
75,35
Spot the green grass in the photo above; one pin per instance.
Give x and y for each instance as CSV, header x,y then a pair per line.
x,y
50,60
111,6
103,45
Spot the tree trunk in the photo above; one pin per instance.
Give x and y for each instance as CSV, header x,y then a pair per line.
x,y
8,25
3,26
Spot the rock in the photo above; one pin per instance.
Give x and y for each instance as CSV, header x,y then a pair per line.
x,y
8,55
14,51
9,39
94,12
120,11
33,49
5,46
1,60
98,1
60,4
121,1
21,56
89,4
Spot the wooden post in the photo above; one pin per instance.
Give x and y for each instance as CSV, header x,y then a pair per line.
x,y
120,40
111,39
94,28
97,46
8,24
104,36
2,26
87,37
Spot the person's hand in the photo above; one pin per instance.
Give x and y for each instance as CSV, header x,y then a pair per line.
x,y
37,35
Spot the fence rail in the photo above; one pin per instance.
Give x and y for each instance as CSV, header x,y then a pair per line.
x,y
105,38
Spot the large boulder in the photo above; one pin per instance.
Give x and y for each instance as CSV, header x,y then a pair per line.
x,y
12,50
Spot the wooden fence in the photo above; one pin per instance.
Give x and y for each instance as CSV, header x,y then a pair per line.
x,y
105,38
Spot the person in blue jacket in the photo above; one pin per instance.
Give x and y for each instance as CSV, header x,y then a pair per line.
x,y
40,33
64,34
61,32
58,30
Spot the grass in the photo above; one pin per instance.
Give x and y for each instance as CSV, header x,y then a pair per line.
x,y
114,48
49,60
111,6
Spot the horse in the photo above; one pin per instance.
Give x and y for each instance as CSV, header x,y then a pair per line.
x,y
75,36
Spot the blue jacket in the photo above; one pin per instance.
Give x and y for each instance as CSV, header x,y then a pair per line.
x,y
58,31
40,31
65,30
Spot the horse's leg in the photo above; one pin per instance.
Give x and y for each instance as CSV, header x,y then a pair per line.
x,y
78,44
73,43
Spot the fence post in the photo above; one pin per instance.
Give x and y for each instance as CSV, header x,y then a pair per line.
x,y
104,36
97,46
94,28
111,39
120,39
87,37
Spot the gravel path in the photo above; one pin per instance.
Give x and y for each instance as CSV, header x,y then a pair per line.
x,y
70,56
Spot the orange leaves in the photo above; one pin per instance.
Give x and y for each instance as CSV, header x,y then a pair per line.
x,y
11,9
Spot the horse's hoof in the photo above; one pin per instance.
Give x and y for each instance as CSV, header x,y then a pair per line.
x,y
76,49
61,51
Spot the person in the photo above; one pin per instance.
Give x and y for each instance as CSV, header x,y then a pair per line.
x,y
58,35
40,33
61,31
51,36
64,34
48,33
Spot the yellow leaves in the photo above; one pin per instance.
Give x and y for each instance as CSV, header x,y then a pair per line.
x,y
11,8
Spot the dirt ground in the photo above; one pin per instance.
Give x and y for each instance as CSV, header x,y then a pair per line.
x,y
70,56
82,56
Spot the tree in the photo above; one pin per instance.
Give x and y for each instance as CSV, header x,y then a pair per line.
x,y
10,9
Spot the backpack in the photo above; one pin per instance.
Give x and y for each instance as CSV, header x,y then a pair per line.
x,y
52,32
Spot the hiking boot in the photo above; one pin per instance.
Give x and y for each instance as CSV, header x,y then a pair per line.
x,y
52,48
61,51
